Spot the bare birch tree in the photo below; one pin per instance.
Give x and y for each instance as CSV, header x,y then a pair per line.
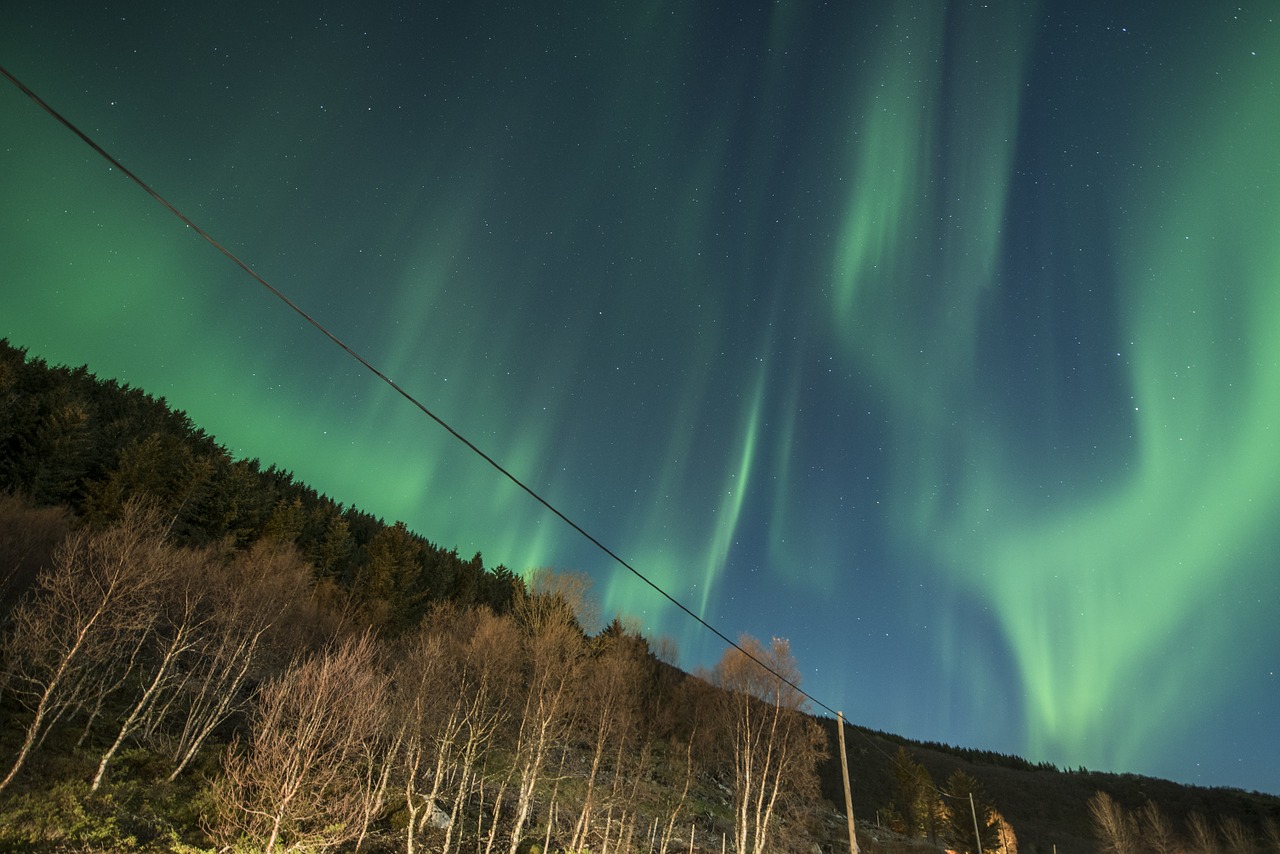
x,y
1238,838
675,810
774,746
453,680
420,680
1113,825
64,637
245,598
608,694
173,629
1157,830
1201,838
1271,835
553,651
300,781
491,675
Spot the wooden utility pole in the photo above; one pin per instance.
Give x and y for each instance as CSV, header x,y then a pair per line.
x,y
848,793
977,835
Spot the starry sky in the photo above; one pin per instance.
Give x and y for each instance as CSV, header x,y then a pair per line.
x,y
937,337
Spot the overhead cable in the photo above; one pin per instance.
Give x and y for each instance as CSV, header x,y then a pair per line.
x,y
401,391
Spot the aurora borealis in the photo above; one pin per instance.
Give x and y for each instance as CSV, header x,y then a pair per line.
x,y
940,338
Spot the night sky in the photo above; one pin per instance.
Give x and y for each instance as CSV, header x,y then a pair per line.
x,y
940,338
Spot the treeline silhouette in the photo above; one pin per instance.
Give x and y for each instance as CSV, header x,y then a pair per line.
x,y
70,439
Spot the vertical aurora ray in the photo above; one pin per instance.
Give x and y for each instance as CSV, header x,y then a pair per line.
x,y
734,494
888,164
922,226
928,176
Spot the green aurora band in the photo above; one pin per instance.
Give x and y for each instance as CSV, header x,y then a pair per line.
x,y
1095,593
791,308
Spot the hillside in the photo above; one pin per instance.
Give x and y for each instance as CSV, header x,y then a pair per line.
x,y
465,707
1047,807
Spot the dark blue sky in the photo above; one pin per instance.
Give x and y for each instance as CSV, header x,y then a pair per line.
x,y
935,337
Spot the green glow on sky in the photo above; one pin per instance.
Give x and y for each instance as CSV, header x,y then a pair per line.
x,y
922,226
1203,483
1093,594
796,308
888,163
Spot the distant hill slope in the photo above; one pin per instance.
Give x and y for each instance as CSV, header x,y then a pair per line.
x,y
1047,807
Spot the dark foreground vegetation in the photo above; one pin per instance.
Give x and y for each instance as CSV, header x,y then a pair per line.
x,y
200,653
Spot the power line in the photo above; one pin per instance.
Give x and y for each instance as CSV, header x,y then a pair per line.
x,y
386,379
421,407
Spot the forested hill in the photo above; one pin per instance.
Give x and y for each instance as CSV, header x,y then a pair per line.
x,y
68,438
177,627
203,654
1049,808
